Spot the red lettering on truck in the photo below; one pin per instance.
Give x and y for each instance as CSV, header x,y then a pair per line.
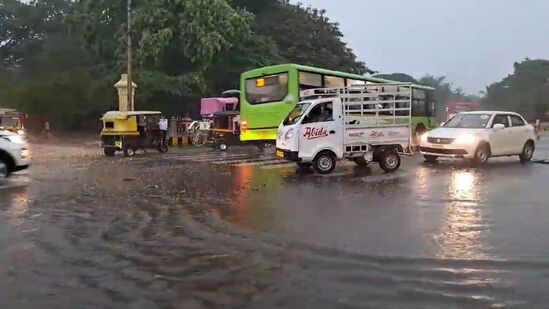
x,y
312,133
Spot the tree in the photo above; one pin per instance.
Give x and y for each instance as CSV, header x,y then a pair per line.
x,y
399,77
526,90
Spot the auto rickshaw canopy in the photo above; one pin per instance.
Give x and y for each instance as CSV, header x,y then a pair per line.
x,y
112,115
124,123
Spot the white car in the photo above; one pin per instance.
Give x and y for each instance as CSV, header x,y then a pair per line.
x,y
480,135
14,153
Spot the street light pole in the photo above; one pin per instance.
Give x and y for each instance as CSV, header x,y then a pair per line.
x,y
129,59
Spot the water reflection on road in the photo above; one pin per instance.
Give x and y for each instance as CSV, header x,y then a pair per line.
x,y
464,225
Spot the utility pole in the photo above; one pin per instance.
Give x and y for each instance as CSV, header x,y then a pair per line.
x,y
129,59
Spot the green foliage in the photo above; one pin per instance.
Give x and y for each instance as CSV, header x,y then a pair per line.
x,y
61,57
526,90
399,77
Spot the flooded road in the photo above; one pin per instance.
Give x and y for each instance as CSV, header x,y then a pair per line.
x,y
199,229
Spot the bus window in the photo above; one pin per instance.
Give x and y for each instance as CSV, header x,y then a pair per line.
x,y
333,82
266,89
309,80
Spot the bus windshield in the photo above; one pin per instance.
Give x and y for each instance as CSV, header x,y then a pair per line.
x,y
265,89
468,121
296,113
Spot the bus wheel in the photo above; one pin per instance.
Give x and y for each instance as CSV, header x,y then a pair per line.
x,y
389,161
420,130
360,161
324,162
109,152
430,159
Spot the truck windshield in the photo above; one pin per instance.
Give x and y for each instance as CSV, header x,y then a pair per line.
x,y
471,121
296,113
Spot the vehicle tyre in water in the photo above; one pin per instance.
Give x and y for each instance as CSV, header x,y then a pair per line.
x,y
4,169
430,159
109,152
527,152
129,151
304,165
360,161
389,161
324,162
481,154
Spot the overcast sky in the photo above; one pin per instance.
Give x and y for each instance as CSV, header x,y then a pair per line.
x,y
471,42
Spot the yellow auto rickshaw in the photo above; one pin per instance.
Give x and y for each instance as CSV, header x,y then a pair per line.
x,y
130,131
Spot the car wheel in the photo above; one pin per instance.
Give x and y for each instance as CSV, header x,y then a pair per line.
x,y
4,170
527,152
430,159
481,154
304,165
389,161
324,162
109,152
360,161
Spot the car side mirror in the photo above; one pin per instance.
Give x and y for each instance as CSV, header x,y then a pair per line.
x,y
499,126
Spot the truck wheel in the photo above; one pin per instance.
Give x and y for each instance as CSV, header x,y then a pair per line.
x,y
527,152
389,161
324,162
304,165
481,154
109,152
430,159
129,151
360,161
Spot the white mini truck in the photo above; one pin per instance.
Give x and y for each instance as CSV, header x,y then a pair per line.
x,y
366,123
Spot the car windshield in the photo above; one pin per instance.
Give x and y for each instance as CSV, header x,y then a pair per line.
x,y
468,121
296,113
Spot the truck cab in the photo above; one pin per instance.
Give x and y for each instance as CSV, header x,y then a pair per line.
x,y
361,125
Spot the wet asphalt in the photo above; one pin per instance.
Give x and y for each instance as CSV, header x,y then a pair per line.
x,y
201,229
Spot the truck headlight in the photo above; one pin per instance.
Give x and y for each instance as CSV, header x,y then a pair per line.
x,y
289,134
466,139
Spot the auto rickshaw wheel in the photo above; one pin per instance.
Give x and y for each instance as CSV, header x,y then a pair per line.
x,y
221,145
129,151
109,152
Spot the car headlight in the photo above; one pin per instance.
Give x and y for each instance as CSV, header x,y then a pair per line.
x,y
466,139
289,134
17,139
423,138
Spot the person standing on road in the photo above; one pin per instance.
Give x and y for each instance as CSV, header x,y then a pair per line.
x,y
47,132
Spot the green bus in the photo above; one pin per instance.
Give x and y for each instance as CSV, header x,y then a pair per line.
x,y
267,94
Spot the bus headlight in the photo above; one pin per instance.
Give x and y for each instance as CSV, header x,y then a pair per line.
x,y
289,134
